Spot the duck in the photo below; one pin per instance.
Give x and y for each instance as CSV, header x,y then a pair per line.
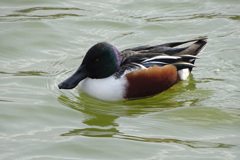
x,y
140,72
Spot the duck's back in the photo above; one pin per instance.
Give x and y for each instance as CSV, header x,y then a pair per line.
x,y
150,70
148,51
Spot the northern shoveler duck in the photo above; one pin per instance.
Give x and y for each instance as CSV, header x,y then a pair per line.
x,y
107,74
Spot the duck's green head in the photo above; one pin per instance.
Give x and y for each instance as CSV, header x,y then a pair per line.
x,y
101,61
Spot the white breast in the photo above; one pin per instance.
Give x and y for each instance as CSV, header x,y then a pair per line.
x,y
109,89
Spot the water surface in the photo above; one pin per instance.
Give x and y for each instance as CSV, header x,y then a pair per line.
x,y
43,42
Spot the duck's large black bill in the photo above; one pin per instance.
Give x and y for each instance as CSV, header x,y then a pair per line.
x,y
73,81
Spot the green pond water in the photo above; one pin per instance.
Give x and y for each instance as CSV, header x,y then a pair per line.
x,y
43,42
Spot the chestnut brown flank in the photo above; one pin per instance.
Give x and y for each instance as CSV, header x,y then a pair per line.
x,y
150,81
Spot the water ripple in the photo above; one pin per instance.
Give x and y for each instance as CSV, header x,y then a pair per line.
x,y
191,17
28,10
39,13
43,42
192,144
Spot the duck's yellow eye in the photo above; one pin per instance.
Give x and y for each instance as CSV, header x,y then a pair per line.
x,y
97,59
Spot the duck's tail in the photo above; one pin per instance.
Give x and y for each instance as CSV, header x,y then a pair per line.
x,y
193,49
189,54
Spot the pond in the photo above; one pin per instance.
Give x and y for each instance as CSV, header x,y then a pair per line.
x,y
43,42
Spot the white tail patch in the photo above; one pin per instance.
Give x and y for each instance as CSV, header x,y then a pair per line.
x,y
183,73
